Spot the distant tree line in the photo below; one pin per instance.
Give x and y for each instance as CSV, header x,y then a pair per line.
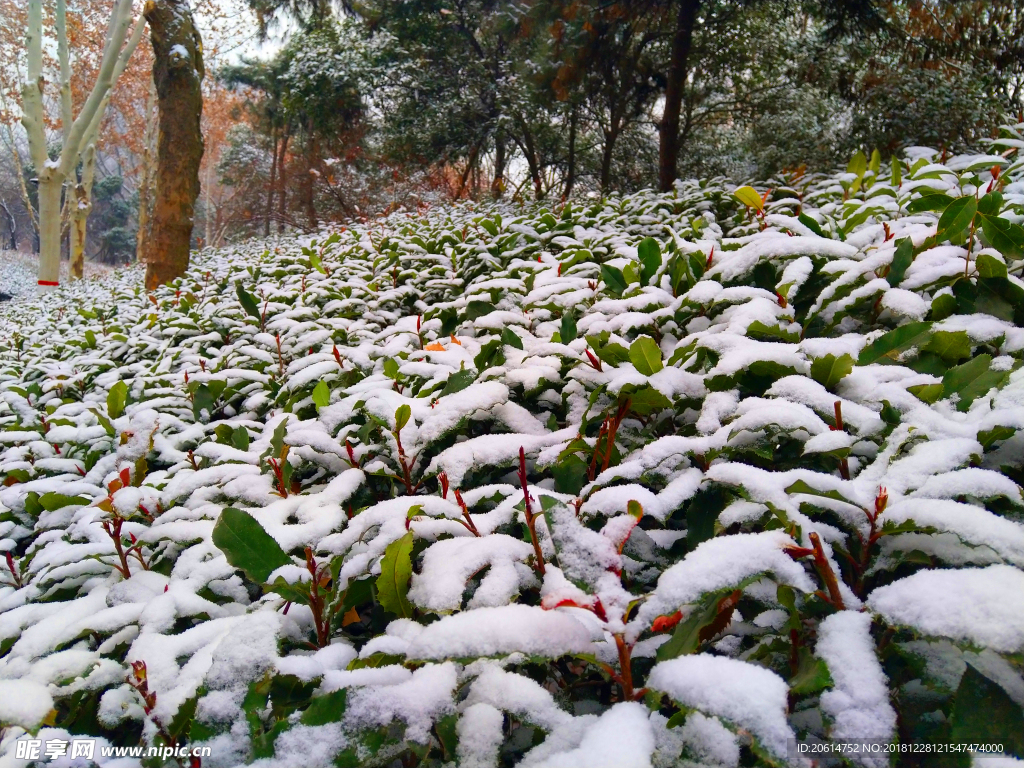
x,y
382,102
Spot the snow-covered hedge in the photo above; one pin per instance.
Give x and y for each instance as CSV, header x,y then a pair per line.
x,y
662,480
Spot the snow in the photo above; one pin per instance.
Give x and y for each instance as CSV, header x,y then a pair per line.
x,y
858,705
984,606
602,744
746,695
501,630
448,565
24,702
720,563
418,701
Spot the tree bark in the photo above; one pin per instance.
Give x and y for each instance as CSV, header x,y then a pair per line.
x,y
273,183
50,189
81,207
178,72
606,160
146,184
531,161
282,183
570,174
311,174
682,42
498,184
12,226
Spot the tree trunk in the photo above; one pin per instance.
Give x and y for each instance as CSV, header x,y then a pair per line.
x,y
570,175
498,185
146,184
311,152
682,41
208,206
49,230
81,207
271,189
12,226
282,178
606,160
178,73
531,161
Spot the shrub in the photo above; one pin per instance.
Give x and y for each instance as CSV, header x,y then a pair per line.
x,y
666,479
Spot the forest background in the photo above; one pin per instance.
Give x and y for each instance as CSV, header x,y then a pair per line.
x,y
319,112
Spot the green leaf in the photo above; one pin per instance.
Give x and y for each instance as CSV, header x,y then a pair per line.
x,y
990,204
293,593
613,279
951,346
702,513
972,380
395,572
568,327
749,197
645,354
402,416
830,370
890,415
321,394
894,342
812,675
248,302
182,721
511,338
901,261
325,709
896,172
314,260
644,400
649,253
202,400
90,338
706,619
117,397
477,309
876,161
613,354
698,264
489,354
1003,235
53,501
983,712
928,393
277,439
989,437
943,306
449,321
570,474
929,202
630,273
801,486
858,164
391,368
762,332
448,735
990,267
247,546
458,381
811,224
956,218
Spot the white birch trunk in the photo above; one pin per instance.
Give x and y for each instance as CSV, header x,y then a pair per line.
x,y
52,174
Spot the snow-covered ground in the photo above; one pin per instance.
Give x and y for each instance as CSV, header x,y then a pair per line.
x,y
19,273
